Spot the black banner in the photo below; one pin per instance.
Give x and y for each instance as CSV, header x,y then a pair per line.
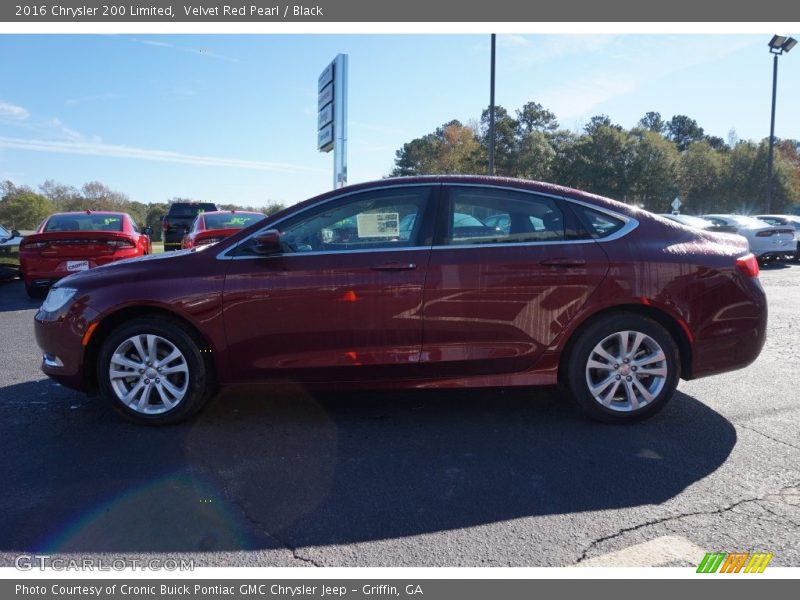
x,y
333,11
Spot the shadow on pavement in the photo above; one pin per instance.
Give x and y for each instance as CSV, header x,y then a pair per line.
x,y
13,297
264,468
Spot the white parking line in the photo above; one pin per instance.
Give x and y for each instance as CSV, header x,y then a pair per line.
x,y
657,552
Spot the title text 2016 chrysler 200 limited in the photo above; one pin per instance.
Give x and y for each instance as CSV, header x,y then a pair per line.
x,y
417,283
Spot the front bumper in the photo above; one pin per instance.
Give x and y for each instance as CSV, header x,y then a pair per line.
x,y
61,341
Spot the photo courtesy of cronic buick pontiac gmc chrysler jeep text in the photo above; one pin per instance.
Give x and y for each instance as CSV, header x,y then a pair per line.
x,y
417,283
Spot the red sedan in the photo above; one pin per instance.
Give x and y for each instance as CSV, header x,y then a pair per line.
x,y
212,227
65,243
613,302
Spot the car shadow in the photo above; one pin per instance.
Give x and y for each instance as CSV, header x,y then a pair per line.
x,y
282,467
13,297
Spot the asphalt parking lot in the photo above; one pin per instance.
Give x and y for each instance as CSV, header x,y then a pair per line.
x,y
463,478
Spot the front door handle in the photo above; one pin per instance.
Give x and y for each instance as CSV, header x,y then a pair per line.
x,y
394,266
563,262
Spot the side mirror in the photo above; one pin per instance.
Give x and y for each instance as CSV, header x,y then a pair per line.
x,y
147,231
15,233
268,242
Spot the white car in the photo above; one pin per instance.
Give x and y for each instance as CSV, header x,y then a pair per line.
x,y
766,241
789,221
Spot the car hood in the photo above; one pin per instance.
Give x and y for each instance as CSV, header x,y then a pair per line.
x,y
141,267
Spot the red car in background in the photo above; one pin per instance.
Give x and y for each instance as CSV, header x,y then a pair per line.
x,y
211,227
65,243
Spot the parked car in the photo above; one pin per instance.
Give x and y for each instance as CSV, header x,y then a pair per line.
x,y
211,227
9,253
608,300
766,241
77,241
787,221
178,220
700,223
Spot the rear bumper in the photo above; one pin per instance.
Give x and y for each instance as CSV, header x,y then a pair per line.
x,y
734,336
41,272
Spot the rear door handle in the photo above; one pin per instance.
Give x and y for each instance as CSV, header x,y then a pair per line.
x,y
564,262
394,266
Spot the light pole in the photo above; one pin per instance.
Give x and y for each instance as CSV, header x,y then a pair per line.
x,y
777,46
491,109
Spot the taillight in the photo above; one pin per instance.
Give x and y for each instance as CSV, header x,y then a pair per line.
x,y
33,245
765,233
165,224
747,265
120,243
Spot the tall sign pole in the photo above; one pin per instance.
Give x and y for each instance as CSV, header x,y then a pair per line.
x,y
332,116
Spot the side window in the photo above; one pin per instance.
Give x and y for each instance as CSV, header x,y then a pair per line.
x,y
493,216
377,219
599,224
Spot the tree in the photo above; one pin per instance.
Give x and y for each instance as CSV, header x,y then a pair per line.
x,y
652,121
22,208
600,161
535,156
652,174
684,131
700,174
534,117
452,148
505,146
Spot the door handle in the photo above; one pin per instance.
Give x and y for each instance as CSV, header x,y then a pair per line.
x,y
564,262
394,266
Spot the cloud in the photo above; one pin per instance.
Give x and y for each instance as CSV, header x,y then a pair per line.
x,y
625,72
13,112
91,98
115,151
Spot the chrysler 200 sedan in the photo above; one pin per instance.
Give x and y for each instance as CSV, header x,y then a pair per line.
x,y
386,284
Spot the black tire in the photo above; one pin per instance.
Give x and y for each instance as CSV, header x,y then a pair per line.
x,y
199,379
35,292
628,378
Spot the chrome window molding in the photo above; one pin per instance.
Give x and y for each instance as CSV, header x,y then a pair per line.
x,y
629,224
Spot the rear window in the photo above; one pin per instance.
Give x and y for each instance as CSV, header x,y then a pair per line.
x,y
231,220
190,210
83,222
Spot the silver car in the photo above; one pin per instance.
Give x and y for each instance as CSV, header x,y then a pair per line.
x,y
788,221
766,241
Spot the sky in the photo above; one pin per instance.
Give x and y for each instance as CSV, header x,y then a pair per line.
x,y
232,118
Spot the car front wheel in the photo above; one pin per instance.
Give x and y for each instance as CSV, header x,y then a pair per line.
x,y
152,372
623,368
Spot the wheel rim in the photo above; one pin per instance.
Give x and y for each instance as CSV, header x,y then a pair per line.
x,y
626,371
149,374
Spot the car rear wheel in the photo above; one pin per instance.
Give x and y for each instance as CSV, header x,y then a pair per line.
x,y
35,292
151,371
623,368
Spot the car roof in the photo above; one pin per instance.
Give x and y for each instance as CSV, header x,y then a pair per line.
x,y
484,180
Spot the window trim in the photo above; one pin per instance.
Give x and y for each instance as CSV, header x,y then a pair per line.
x,y
436,208
425,233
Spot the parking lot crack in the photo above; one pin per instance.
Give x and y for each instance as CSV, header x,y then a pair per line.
x,y
265,531
676,517
769,437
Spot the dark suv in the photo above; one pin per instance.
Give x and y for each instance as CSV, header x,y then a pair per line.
x,y
179,219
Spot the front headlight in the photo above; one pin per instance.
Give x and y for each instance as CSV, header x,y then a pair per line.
x,y
57,298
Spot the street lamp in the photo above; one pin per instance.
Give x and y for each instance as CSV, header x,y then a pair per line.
x,y
777,46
